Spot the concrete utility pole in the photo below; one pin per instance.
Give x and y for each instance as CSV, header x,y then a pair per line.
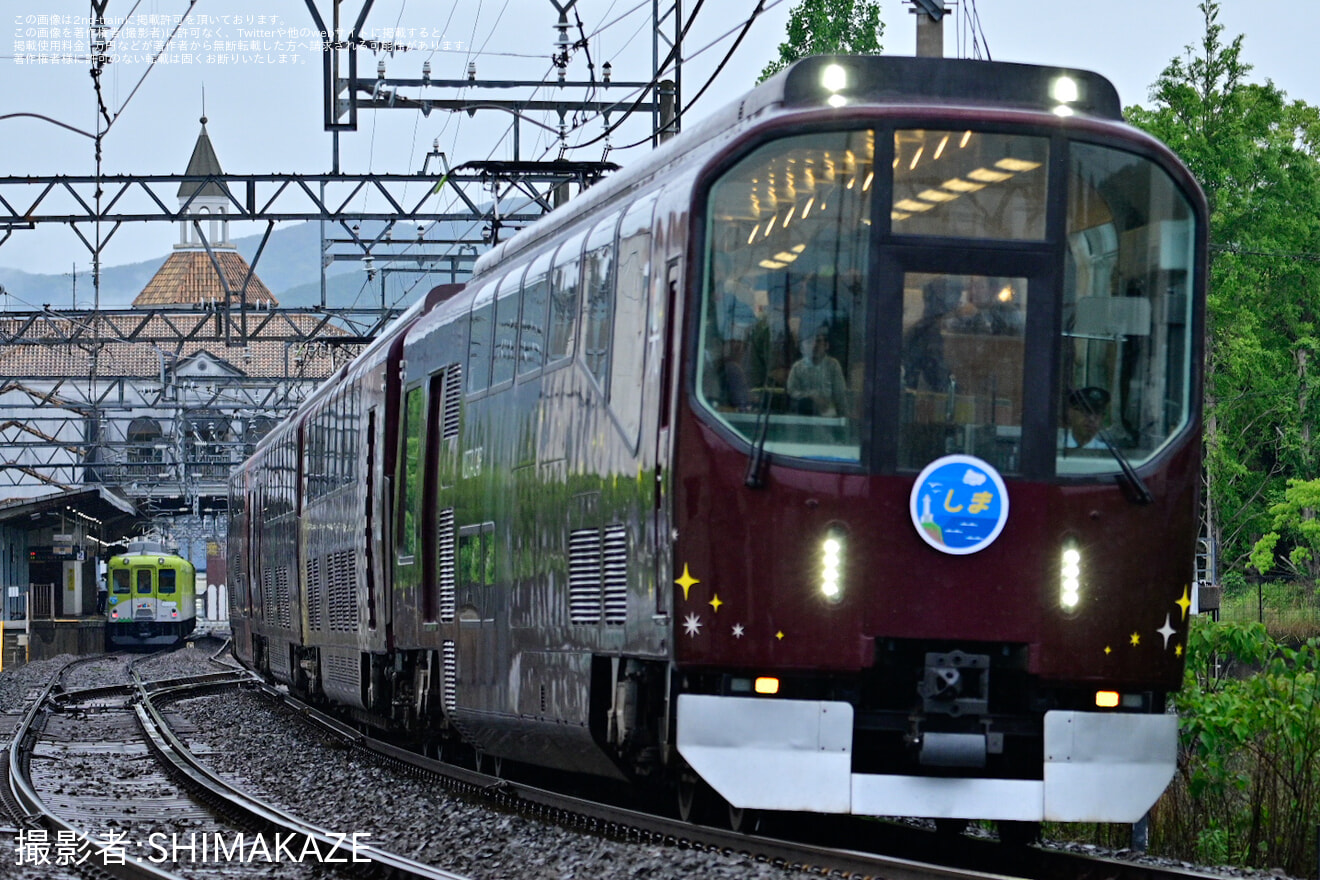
x,y
930,28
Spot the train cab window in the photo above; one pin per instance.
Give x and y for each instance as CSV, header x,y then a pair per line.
x,y
598,298
962,368
969,184
783,342
1126,314
144,581
564,284
505,353
119,581
480,339
531,331
167,581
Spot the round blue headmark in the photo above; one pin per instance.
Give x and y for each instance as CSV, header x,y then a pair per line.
x,y
959,504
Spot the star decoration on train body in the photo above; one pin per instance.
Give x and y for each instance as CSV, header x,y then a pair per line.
x,y
1185,603
1167,631
687,582
738,631
1134,639
692,625
715,602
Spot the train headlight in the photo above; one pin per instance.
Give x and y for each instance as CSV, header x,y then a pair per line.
x,y
1070,579
1065,90
834,79
831,567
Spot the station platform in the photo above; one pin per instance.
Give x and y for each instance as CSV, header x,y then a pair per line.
x,y
75,635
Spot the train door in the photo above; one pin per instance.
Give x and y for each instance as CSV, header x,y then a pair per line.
x,y
664,302
144,594
477,678
376,615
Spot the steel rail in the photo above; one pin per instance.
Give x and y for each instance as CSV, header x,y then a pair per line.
x,y
99,860
979,859
622,823
196,775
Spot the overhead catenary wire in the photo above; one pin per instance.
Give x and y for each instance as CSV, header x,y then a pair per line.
x,y
761,8
110,120
583,43
642,93
678,116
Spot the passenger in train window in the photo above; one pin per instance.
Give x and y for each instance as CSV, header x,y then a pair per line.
x,y
816,385
724,382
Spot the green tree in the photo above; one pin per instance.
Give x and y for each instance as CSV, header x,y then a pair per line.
x,y
1294,521
1248,781
829,27
1255,154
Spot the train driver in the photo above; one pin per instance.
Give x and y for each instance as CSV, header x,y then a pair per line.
x,y
1085,417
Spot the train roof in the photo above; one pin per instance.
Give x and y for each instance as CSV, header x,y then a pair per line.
x,y
843,81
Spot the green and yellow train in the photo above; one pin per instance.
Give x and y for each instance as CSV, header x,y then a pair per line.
x,y
152,596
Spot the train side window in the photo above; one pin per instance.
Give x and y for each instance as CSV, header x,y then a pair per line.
x,y
168,580
119,581
144,581
531,331
598,298
476,557
410,476
479,340
565,282
506,328
633,272
353,434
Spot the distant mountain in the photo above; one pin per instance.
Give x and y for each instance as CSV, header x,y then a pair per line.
x,y
119,285
289,266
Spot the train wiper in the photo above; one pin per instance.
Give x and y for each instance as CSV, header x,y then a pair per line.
x,y
1135,487
757,459
1131,480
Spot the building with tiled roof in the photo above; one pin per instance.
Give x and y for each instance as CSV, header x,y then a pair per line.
x,y
188,279
165,419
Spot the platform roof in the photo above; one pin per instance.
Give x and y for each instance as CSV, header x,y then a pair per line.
x,y
112,510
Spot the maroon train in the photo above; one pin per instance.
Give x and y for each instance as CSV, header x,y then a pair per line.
x,y
842,456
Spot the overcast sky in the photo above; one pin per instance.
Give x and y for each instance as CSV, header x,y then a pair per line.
x,y
266,116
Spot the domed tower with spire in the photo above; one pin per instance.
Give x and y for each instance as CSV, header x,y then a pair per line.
x,y
188,278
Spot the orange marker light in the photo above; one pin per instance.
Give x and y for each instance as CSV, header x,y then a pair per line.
x,y
766,685
1106,699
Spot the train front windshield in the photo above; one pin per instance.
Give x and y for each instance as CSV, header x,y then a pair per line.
x,y
878,298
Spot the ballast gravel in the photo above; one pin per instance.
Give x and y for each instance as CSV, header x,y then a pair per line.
x,y
286,764
278,759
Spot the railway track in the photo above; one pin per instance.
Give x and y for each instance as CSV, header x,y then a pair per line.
x,y
166,788
835,846
99,782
